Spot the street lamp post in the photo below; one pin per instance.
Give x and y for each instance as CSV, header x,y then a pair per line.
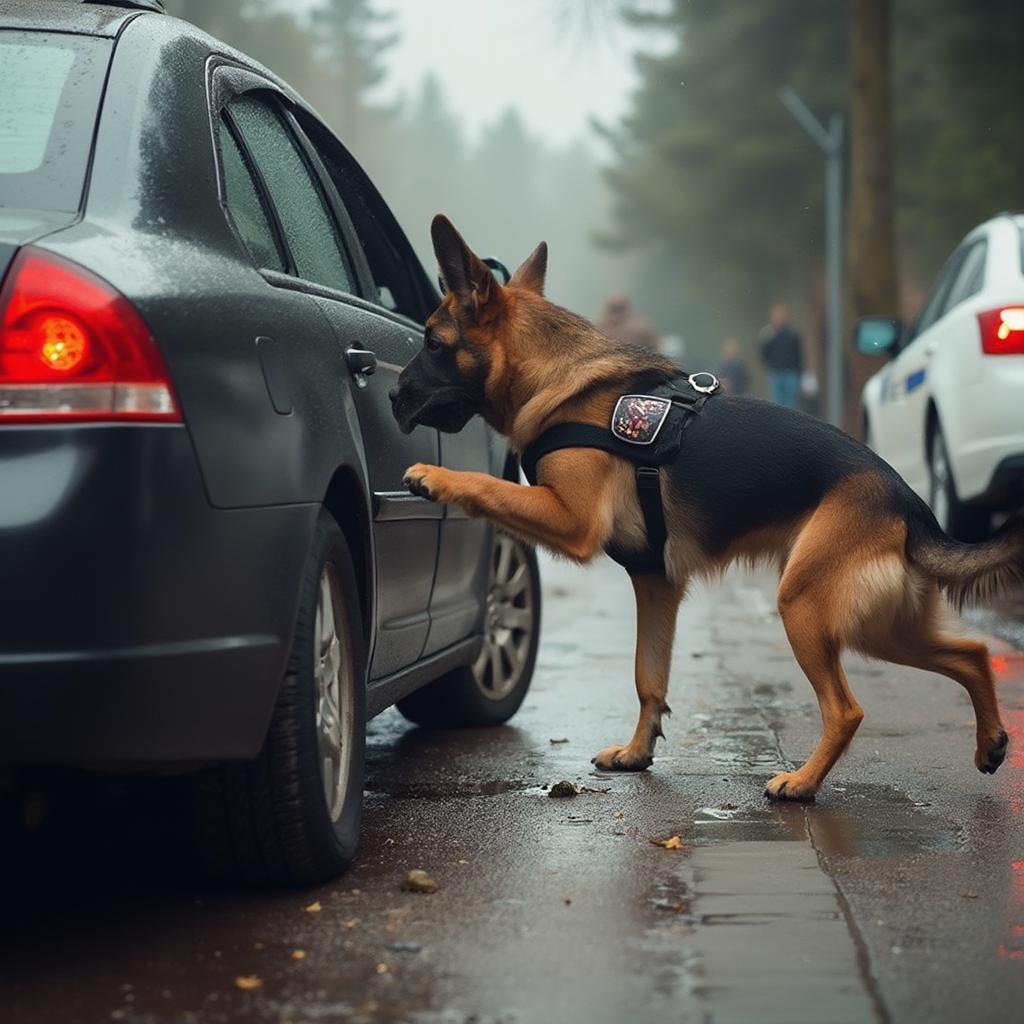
x,y
831,142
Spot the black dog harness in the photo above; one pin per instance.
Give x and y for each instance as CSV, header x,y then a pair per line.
x,y
647,429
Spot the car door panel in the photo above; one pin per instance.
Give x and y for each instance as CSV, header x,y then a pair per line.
x,y
463,558
405,527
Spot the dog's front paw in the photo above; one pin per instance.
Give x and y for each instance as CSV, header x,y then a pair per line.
x,y
426,481
622,759
790,786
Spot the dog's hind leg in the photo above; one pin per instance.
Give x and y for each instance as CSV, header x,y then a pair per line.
x,y
811,603
920,643
657,603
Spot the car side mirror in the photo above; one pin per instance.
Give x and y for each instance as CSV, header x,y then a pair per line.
x,y
877,335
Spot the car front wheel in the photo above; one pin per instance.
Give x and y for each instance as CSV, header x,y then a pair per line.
x,y
490,691
292,816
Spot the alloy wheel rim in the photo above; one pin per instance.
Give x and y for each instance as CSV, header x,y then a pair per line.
x,y
510,620
940,484
333,679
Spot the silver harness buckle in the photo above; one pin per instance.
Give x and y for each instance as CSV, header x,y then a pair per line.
x,y
704,389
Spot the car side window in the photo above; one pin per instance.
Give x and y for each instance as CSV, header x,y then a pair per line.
x,y
393,264
245,206
935,305
969,278
306,221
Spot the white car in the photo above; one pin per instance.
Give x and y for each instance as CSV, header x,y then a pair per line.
x,y
947,411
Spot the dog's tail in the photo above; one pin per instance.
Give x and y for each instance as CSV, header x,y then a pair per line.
x,y
968,573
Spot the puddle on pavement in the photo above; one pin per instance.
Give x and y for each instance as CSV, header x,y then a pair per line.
x,y
748,824
876,821
856,821
410,789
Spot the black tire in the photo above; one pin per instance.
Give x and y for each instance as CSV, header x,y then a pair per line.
x,y
962,522
462,697
268,820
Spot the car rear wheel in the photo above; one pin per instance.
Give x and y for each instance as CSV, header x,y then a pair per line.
x,y
963,522
292,816
490,691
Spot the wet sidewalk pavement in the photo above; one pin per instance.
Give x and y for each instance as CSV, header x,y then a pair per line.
x,y
898,896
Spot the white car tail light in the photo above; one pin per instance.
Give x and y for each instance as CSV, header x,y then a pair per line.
x,y
73,349
1002,331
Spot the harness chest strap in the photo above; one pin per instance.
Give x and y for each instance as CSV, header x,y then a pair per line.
x,y
647,431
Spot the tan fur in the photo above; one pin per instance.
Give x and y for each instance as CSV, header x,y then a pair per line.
x,y
545,367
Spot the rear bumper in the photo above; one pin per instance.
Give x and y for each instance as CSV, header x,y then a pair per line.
x,y
985,433
138,624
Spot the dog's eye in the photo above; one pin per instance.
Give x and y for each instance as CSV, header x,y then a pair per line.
x,y
433,345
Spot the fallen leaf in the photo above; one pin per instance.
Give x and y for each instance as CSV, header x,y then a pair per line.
x,y
969,895
672,843
248,982
259,945
619,814
563,739
313,908
298,954
419,881
350,923
463,862
383,968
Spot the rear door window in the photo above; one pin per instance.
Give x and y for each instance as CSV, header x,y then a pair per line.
x,y
936,303
50,89
245,205
970,277
306,221
400,284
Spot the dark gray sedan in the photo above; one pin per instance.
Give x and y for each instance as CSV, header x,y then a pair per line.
x,y
209,561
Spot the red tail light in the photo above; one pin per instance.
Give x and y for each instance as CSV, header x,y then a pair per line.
x,y
1002,331
73,349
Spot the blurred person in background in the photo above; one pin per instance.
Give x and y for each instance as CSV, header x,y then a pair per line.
x,y
622,323
732,371
782,354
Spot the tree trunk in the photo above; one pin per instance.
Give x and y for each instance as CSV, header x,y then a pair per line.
x,y
872,286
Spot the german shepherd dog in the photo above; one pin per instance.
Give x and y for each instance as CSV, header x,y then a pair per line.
x,y
862,559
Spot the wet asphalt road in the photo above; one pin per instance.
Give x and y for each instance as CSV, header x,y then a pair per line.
x,y
898,896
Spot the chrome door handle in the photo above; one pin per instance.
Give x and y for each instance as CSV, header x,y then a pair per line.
x,y
361,363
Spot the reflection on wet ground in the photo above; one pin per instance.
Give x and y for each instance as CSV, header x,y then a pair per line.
x,y
898,895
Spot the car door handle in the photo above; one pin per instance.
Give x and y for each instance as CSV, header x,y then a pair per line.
x,y
361,363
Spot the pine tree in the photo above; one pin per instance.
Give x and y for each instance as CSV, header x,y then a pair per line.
x,y
713,181
354,39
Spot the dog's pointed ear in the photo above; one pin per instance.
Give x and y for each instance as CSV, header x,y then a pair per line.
x,y
530,273
464,273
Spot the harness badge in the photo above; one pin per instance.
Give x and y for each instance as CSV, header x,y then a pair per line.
x,y
638,418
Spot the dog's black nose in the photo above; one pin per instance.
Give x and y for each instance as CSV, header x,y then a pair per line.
x,y
393,395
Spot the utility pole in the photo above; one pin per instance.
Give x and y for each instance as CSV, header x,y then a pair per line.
x,y
831,142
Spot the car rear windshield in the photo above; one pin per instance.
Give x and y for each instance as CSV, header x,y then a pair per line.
x,y
50,88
